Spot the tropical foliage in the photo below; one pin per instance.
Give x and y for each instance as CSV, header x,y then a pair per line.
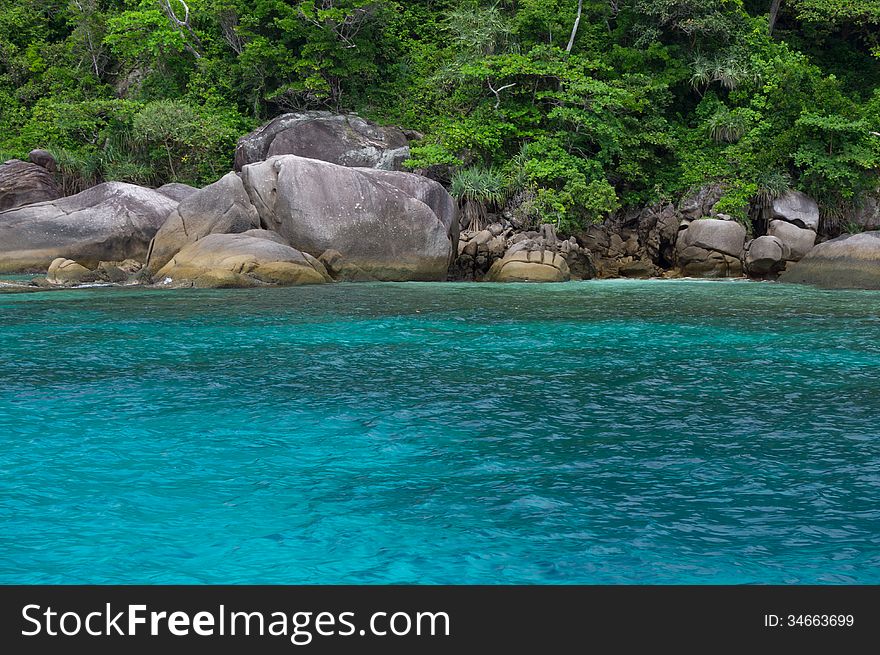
x,y
562,110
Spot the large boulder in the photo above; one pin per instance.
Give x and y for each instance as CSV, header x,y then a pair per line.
x,y
766,255
711,248
867,213
177,191
851,261
431,193
252,258
797,240
699,262
530,266
638,268
348,140
220,208
727,237
797,208
108,222
24,183
341,270
375,225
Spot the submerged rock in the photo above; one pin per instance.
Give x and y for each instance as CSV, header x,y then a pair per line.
x,y
241,260
347,140
851,261
108,222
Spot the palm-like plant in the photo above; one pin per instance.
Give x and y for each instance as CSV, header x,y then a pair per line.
x,y
77,171
479,190
726,126
771,185
477,31
727,70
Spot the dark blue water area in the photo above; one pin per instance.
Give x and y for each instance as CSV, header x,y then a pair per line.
x,y
593,432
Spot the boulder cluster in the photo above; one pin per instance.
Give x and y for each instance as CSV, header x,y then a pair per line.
x,y
281,220
501,254
317,197
367,224
714,245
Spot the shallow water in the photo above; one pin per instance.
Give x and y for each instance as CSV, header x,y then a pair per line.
x,y
596,432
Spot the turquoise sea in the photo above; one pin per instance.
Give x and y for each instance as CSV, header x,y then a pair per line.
x,y
593,432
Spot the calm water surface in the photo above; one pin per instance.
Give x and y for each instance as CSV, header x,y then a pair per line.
x,y
597,432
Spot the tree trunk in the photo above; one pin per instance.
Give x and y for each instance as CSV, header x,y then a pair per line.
x,y
577,24
774,13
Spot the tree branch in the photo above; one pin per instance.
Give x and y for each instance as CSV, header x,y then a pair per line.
x,y
498,91
183,26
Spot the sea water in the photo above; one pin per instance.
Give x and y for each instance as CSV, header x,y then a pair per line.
x,y
595,432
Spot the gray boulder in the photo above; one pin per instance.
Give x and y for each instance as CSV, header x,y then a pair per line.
x,y
109,222
177,191
867,213
711,248
252,258
44,159
657,230
699,262
797,208
220,208
639,268
343,271
24,183
798,241
348,140
727,237
702,203
766,255
851,261
432,194
318,206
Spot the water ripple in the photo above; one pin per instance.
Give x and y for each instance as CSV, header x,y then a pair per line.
x,y
602,432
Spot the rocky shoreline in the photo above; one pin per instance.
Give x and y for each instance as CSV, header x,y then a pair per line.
x,y
317,200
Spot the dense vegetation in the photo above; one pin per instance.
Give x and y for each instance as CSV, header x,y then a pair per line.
x,y
565,110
